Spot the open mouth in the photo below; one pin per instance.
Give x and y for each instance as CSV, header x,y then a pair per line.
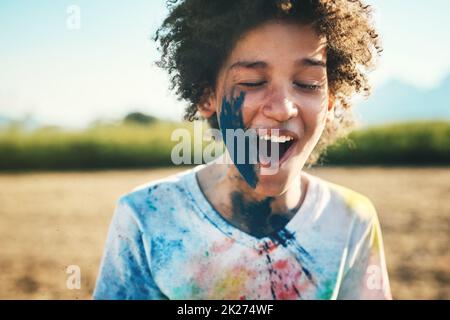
x,y
274,149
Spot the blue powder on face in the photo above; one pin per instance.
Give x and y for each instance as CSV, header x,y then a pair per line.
x,y
231,118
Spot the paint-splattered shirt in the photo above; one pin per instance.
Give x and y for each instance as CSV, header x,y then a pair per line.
x,y
166,241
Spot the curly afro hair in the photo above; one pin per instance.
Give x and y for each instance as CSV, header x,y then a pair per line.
x,y
198,35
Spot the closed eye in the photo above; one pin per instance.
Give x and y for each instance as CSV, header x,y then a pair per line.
x,y
252,84
309,87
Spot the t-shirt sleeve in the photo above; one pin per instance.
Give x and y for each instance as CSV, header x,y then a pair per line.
x,y
124,271
366,274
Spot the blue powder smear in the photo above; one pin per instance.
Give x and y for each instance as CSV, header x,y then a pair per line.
x,y
231,118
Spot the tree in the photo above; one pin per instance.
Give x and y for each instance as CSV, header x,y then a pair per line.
x,y
139,118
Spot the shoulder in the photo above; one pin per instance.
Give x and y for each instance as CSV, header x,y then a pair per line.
x,y
159,197
357,204
346,204
351,217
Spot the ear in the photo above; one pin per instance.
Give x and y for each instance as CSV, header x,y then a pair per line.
x,y
330,109
207,105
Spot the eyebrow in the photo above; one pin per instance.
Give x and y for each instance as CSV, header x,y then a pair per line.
x,y
249,65
311,62
308,62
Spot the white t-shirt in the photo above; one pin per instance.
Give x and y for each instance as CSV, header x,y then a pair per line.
x,y
166,241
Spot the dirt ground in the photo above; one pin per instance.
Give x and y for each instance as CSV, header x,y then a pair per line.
x,y
49,221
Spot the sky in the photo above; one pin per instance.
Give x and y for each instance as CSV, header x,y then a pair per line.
x,y
66,71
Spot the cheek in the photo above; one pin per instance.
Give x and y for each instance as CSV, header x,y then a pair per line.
x,y
252,105
313,110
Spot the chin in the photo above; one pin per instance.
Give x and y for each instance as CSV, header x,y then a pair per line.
x,y
278,183
273,185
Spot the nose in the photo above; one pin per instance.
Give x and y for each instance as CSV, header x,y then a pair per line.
x,y
279,106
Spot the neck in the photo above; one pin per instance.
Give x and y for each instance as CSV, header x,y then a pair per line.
x,y
244,207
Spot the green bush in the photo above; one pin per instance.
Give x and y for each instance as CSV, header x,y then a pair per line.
x,y
415,143
140,146
102,147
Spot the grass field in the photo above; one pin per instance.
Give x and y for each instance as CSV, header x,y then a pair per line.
x,y
118,146
49,221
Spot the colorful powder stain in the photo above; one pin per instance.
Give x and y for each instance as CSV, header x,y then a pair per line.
x,y
222,246
281,279
216,277
285,238
234,282
355,201
255,213
231,118
288,281
213,280
163,250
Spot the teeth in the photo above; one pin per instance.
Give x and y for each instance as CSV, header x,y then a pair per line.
x,y
275,139
279,139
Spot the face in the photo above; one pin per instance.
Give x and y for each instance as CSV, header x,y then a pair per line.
x,y
275,80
